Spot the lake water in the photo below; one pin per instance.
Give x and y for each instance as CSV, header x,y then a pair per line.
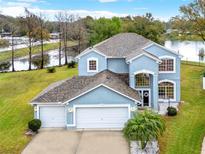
x,y
188,49
23,63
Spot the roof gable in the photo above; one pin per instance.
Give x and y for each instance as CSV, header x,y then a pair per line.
x,y
105,86
88,50
144,54
162,47
74,87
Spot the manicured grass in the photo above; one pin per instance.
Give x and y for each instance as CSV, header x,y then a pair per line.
x,y
183,135
16,90
185,132
6,55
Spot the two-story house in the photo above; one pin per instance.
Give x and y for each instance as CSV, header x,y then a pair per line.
x,y
117,77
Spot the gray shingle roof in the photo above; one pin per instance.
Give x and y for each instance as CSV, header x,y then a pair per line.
x,y
123,44
70,88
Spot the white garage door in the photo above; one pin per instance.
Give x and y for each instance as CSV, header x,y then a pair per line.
x,y
101,117
52,116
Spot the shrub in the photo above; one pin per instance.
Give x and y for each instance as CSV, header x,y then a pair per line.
x,y
172,111
204,74
5,66
144,127
4,43
34,125
36,60
72,64
51,69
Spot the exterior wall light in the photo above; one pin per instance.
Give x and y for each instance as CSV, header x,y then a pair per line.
x,y
70,109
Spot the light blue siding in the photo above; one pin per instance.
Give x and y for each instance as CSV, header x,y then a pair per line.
x,y
100,95
169,76
82,63
148,64
117,65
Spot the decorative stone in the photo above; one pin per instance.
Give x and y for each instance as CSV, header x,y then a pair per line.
x,y
151,148
30,133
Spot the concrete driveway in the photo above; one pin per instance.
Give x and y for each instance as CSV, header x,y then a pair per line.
x,y
77,142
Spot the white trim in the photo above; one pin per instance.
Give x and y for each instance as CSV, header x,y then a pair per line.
x,y
146,54
170,50
88,50
44,103
171,81
144,71
150,98
97,106
88,68
67,102
174,62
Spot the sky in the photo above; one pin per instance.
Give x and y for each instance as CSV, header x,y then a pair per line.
x,y
161,9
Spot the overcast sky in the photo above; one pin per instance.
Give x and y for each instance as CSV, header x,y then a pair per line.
x,y
161,9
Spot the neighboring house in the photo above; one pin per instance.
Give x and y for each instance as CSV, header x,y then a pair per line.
x,y
117,77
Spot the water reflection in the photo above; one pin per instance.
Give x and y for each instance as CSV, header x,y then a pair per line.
x,y
23,64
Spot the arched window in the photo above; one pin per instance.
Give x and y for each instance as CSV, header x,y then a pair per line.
x,y
167,65
142,80
166,90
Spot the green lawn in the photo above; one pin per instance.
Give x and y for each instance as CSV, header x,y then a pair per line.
x,y
16,90
6,55
185,132
183,135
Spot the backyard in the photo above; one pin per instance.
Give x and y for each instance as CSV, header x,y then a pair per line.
x,y
184,132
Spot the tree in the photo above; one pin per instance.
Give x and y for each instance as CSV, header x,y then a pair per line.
x,y
30,23
201,55
41,34
103,28
146,26
13,33
59,18
79,33
195,13
144,127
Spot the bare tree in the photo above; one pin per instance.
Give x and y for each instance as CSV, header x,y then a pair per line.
x,y
80,34
65,35
41,34
13,32
59,18
30,23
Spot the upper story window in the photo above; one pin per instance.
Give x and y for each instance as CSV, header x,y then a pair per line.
x,y
142,80
166,90
92,65
167,65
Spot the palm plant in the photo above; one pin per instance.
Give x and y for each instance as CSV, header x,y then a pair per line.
x,y
144,127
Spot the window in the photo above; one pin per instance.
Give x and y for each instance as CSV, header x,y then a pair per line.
x,y
92,65
166,90
142,80
167,65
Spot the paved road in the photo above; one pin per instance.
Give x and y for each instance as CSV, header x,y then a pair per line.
x,y
77,142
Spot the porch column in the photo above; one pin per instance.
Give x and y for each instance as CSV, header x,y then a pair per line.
x,y
155,92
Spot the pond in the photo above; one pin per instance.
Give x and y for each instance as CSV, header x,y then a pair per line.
x,y
188,49
23,63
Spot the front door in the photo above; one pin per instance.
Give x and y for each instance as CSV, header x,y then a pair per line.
x,y
145,95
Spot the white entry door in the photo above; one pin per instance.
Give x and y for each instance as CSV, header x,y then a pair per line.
x,y
52,116
101,117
